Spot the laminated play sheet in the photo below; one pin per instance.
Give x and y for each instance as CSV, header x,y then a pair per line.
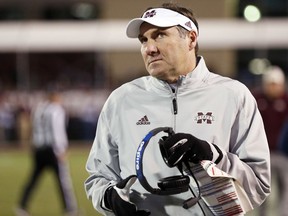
x,y
220,191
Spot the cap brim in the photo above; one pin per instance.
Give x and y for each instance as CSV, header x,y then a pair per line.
x,y
133,27
132,30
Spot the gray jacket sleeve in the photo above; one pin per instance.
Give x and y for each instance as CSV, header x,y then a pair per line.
x,y
101,166
248,158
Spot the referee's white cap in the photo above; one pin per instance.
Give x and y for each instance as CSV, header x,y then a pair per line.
x,y
274,74
160,17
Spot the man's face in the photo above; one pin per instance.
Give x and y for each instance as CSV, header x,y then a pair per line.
x,y
166,52
274,90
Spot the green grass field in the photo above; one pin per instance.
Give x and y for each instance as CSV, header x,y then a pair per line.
x,y
15,167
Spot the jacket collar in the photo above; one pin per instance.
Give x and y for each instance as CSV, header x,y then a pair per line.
x,y
192,80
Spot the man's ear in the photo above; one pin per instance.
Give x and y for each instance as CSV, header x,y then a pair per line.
x,y
193,39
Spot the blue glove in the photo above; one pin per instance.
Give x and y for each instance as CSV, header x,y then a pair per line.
x,y
185,147
116,198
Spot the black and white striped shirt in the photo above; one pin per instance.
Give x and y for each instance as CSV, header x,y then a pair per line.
x,y
49,127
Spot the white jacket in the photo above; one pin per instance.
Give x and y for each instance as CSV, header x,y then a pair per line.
x,y
219,110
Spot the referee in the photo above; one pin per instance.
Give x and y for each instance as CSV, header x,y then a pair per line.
x,y
50,143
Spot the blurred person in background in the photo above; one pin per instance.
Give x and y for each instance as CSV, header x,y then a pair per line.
x,y
282,170
50,144
272,102
8,130
215,118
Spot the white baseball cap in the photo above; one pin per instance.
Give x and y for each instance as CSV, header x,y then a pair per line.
x,y
160,17
274,74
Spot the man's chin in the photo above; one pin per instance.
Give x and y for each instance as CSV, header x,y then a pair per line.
x,y
158,75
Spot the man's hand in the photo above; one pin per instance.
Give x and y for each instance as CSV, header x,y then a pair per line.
x,y
184,147
116,198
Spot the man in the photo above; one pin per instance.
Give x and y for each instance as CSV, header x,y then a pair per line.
x,y
50,148
272,101
215,118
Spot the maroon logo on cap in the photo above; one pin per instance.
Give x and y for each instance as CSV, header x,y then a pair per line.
x,y
150,14
188,24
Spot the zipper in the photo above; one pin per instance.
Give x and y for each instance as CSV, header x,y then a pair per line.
x,y
174,101
174,106
174,92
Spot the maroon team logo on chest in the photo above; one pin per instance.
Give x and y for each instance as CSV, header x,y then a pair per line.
x,y
204,118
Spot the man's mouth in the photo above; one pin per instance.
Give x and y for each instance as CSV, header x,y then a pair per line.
x,y
153,60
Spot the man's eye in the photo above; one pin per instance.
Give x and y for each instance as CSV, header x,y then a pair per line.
x,y
142,40
160,35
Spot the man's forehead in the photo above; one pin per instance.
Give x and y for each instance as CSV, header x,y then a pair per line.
x,y
152,28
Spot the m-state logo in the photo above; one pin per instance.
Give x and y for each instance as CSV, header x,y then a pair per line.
x,y
206,118
150,14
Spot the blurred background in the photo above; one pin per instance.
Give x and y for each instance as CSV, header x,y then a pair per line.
x,y
80,48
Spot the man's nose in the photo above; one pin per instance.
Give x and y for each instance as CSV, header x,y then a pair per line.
x,y
151,48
